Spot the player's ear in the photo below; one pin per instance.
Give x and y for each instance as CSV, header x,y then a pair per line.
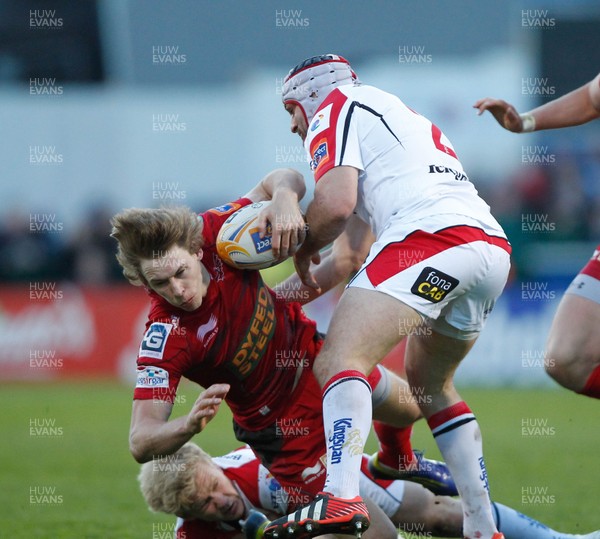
x,y
200,254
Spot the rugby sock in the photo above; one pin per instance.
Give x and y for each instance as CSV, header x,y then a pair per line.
x,y
395,449
515,525
347,415
459,439
592,386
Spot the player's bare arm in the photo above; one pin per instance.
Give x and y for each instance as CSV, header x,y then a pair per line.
x,y
575,108
338,262
151,434
327,215
285,187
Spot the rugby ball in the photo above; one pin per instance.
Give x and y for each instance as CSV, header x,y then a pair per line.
x,y
239,243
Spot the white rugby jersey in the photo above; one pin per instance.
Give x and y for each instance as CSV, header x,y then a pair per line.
x,y
408,169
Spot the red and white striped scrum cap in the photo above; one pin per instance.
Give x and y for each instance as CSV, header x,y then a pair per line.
x,y
311,81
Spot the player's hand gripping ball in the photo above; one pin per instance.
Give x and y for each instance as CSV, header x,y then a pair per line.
x,y
239,243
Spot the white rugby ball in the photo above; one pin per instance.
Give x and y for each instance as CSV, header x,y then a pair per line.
x,y
239,243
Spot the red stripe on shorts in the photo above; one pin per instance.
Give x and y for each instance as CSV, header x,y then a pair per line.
x,y
592,268
420,245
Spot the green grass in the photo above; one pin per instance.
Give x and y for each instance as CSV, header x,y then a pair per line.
x,y
93,477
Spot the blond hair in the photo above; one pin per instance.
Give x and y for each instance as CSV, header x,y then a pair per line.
x,y
141,233
168,484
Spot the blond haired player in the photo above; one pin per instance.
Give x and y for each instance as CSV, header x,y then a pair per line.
x,y
573,347
215,496
225,329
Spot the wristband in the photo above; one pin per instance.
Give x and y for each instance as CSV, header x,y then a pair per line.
x,y
528,123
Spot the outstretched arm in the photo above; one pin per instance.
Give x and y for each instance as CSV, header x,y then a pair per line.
x,y
577,107
151,433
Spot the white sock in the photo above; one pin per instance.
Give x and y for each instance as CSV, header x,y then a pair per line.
x,y
458,436
515,525
347,415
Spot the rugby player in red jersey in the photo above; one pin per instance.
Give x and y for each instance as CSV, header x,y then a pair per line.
x,y
225,329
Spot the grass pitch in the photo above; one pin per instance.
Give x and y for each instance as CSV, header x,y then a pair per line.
x,y
66,471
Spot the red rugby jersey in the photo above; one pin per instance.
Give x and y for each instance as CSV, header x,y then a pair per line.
x,y
242,334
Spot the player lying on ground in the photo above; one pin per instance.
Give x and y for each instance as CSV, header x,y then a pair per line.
x,y
213,495
224,329
573,348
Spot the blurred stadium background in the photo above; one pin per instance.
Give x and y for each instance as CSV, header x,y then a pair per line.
x,y
116,103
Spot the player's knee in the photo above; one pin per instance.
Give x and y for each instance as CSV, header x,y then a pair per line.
x,y
559,371
328,365
325,367
568,366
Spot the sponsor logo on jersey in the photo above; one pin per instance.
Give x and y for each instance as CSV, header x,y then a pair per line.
x,y
258,335
261,244
231,456
271,495
433,285
321,121
320,155
155,339
225,208
207,331
458,176
151,377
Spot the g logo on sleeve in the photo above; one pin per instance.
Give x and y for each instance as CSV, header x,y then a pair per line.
x,y
433,285
155,339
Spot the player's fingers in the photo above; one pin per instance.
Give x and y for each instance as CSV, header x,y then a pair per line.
x,y
204,412
295,241
302,268
480,105
206,404
302,232
297,234
262,223
216,390
310,281
284,244
276,239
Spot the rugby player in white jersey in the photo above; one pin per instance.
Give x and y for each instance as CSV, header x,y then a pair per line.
x,y
389,179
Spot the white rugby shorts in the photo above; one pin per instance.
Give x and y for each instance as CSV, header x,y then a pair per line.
x,y
452,274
